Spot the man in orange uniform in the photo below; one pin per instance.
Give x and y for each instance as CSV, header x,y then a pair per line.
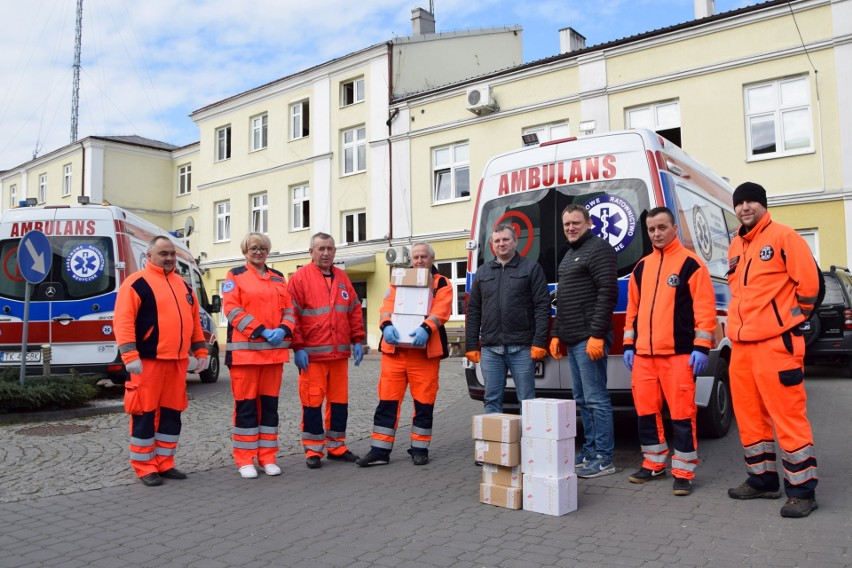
x,y
668,333
260,320
416,367
156,326
774,286
328,319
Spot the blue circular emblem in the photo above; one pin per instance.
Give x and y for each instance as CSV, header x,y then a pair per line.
x,y
227,286
344,294
613,220
84,263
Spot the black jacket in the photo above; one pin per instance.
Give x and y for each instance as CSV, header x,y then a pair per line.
x,y
587,292
508,305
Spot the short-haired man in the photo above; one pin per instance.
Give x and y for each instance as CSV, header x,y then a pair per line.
x,y
668,333
585,299
507,321
774,286
328,321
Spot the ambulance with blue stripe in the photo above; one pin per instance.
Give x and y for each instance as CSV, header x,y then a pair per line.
x,y
94,248
618,177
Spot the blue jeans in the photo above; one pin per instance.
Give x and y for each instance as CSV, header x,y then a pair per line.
x,y
592,399
495,361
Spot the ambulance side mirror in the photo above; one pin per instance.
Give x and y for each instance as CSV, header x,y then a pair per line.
x,y
215,304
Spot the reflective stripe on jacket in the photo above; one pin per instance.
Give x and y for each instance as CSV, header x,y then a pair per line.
x,y
442,309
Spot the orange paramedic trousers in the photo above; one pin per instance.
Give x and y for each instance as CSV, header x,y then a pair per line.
x,y
255,433
329,381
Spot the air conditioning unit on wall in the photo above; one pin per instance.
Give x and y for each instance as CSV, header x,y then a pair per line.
x,y
480,101
398,256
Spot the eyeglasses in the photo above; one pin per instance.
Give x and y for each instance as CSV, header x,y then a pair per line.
x,y
258,250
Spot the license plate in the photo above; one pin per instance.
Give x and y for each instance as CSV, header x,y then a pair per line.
x,y
15,356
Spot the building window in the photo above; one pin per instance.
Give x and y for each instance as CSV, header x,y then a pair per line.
x,y
355,150
258,132
300,207
223,143
66,180
223,221
300,119
355,227
663,118
451,172
352,92
455,271
184,179
549,132
259,216
778,116
42,188
811,237
13,196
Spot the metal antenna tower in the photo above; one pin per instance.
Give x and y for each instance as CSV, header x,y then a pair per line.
x,y
75,95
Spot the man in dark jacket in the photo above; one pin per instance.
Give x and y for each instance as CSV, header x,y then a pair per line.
x,y
507,319
585,299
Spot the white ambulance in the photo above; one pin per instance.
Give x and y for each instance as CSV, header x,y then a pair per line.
x,y
94,249
618,177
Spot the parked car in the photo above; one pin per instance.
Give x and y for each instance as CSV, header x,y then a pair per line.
x,y
828,333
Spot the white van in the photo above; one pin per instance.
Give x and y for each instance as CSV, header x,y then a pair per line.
x,y
94,249
618,177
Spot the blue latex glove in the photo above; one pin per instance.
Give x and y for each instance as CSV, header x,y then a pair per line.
x,y
391,335
301,359
629,354
420,337
266,334
276,337
358,353
698,362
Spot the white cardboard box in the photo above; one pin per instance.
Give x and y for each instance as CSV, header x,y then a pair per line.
x,y
508,497
550,418
405,324
502,475
412,301
549,458
497,427
550,495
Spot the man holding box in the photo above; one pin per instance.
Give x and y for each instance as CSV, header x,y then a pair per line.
x,y
668,332
507,320
414,363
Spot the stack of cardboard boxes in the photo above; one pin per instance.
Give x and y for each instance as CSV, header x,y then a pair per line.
x,y
497,446
412,302
547,456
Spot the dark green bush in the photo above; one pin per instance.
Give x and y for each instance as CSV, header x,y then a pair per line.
x,y
46,393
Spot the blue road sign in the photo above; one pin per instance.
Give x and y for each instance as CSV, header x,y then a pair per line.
x,y
34,257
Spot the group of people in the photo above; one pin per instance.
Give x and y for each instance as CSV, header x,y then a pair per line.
x,y
670,325
317,315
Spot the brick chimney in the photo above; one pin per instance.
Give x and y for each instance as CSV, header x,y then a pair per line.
x,y
571,40
423,22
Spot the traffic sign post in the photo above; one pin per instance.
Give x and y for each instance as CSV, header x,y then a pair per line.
x,y
34,262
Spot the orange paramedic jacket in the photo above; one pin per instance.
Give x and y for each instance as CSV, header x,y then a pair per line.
x,y
253,304
774,281
157,317
328,319
442,309
671,306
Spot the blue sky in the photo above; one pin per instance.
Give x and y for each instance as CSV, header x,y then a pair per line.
x,y
146,65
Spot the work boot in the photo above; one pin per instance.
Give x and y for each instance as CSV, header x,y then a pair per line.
x,y
173,473
681,486
248,472
746,491
313,462
372,458
419,459
151,480
798,507
346,456
644,475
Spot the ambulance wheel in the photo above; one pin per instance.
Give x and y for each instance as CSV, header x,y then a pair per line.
x,y
714,421
211,373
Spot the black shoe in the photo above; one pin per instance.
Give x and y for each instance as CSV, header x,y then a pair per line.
x,y
373,458
644,475
346,456
746,491
151,480
313,462
797,507
173,473
682,486
477,463
420,459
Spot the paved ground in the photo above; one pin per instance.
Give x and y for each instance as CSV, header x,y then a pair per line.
x,y
69,500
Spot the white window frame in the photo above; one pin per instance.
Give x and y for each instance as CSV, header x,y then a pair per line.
x,y
66,180
300,119
657,118
223,143
13,196
259,132
223,221
776,112
458,270
42,188
549,132
184,179
811,237
356,88
260,213
354,151
300,207
354,216
459,160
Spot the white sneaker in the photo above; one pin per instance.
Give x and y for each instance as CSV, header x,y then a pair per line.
x,y
271,469
248,472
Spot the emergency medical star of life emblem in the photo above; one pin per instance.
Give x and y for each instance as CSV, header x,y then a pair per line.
x,y
613,220
84,263
766,253
702,233
673,280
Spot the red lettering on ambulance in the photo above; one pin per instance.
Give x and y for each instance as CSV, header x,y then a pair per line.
x,y
519,181
576,172
535,178
609,166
